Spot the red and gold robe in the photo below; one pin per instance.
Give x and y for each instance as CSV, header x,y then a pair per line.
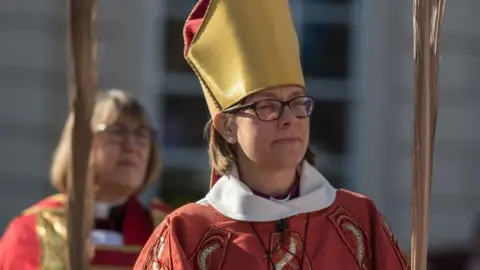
x,y
232,228
37,238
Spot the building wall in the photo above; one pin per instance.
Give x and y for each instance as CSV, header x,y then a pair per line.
x,y
384,119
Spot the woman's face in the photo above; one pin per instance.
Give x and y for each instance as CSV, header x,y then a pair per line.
x,y
121,155
278,143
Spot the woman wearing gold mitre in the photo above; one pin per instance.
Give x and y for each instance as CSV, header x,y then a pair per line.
x,y
268,207
125,159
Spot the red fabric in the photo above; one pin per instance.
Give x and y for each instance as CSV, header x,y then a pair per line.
x,y
350,234
137,225
20,247
52,201
193,23
114,258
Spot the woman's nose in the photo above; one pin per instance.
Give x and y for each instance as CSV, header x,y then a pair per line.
x,y
287,117
130,141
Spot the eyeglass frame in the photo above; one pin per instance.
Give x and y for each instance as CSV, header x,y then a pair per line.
x,y
104,128
252,105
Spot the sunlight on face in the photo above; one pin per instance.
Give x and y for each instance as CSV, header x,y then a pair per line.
x,y
279,143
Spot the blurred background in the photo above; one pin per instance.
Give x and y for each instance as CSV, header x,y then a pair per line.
x,y
357,59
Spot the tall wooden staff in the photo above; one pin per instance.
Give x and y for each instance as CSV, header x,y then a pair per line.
x,y
427,20
82,88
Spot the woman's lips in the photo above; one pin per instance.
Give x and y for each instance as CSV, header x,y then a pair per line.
x,y
127,163
288,140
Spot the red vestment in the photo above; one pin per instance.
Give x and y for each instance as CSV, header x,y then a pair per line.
x,y
37,238
346,232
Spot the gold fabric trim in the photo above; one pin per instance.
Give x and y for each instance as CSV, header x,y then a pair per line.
x,y
360,241
52,235
215,241
288,254
404,260
202,258
37,208
350,228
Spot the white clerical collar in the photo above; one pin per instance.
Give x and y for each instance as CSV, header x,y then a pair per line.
x,y
232,198
102,209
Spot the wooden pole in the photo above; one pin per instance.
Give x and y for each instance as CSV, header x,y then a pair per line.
x,y
427,20
82,91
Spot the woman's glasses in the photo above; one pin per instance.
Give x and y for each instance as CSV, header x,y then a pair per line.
x,y
271,109
118,133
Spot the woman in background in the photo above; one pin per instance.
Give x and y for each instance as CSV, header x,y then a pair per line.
x,y
125,161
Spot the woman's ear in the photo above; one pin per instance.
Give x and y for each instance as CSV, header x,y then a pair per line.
x,y
225,127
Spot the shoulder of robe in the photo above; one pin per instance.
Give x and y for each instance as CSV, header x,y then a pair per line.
x,y
203,216
24,225
53,203
356,218
190,224
357,204
356,212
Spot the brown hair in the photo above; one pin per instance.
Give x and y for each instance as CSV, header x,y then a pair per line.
x,y
222,155
109,107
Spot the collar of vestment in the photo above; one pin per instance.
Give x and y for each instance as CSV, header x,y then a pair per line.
x,y
233,199
102,209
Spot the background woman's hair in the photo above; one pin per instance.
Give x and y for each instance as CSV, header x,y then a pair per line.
x,y
109,107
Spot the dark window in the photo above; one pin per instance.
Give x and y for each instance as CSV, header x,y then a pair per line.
x,y
184,119
335,179
325,50
181,186
175,60
328,126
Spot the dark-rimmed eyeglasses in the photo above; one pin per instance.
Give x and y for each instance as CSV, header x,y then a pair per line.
x,y
118,133
271,109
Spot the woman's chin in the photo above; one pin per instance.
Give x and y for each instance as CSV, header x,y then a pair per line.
x,y
285,161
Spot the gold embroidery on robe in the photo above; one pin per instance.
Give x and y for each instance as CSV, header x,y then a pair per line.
x,y
211,251
287,255
401,256
154,260
52,235
354,236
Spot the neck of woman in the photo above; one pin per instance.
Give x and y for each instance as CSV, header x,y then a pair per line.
x,y
269,181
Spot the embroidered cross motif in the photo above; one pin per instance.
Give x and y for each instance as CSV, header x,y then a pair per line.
x,y
287,254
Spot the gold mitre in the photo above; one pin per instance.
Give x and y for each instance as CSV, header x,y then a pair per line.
x,y
239,47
